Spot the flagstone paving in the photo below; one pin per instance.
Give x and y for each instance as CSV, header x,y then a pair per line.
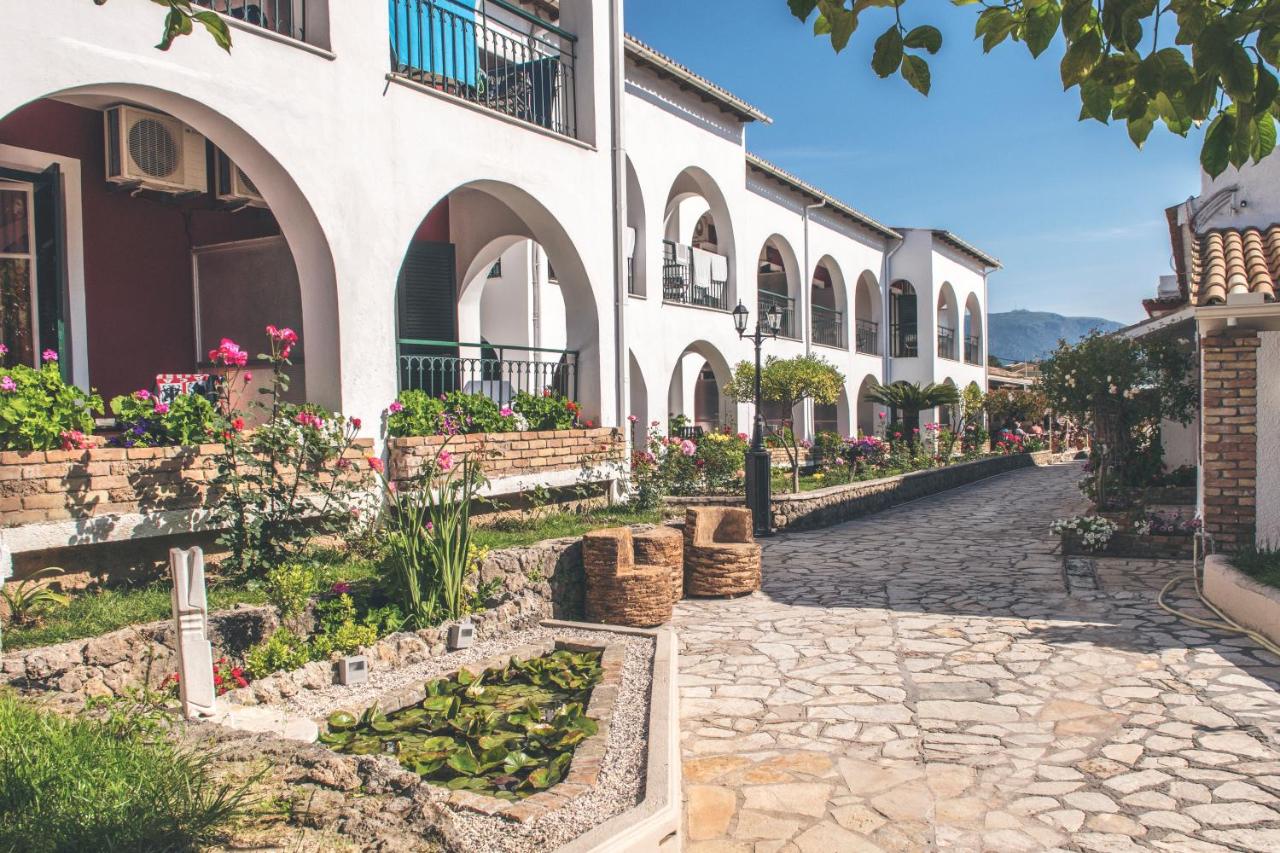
x,y
924,679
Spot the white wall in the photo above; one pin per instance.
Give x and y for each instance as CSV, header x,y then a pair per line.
x,y
1181,443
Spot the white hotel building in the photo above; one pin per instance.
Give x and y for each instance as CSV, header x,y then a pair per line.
x,y
448,193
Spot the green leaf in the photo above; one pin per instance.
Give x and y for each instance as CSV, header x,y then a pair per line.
x,y
802,9
1215,151
1265,141
926,37
994,26
888,52
464,762
916,72
1041,26
1080,59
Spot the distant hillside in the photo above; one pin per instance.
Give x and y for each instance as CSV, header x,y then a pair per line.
x,y
1030,335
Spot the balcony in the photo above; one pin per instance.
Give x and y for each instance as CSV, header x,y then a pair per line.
x,y
694,277
867,337
498,371
947,343
496,55
768,299
973,350
828,326
282,17
904,341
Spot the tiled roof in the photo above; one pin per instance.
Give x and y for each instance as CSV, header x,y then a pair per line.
x,y
685,77
1235,260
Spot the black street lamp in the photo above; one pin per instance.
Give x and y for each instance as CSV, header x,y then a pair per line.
x,y
759,464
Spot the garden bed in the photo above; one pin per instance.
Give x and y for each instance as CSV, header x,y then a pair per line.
x,y
1248,601
1133,545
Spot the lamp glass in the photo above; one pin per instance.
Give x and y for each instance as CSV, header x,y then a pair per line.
x,y
740,318
774,316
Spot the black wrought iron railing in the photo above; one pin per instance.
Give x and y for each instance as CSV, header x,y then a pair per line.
x,y
867,337
904,342
828,326
768,299
947,343
491,53
973,349
286,17
680,285
499,371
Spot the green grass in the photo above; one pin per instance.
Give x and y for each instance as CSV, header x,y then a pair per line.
x,y
101,611
1261,565
557,525
72,784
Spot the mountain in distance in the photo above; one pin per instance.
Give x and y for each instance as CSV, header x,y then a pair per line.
x,y
1032,335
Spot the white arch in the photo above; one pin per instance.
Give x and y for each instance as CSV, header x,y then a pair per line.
x,y
293,212
868,413
684,370
973,325
693,181
948,317
868,307
636,221
833,298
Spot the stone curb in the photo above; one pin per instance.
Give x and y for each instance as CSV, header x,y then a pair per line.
x,y
1251,604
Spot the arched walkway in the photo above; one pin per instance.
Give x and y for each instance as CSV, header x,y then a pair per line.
x,y
869,420
868,315
449,294
948,322
698,376
698,243
778,283
118,322
828,305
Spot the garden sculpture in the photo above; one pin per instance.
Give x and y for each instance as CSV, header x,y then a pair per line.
x,y
191,614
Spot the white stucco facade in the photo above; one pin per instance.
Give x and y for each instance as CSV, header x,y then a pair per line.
x,y
351,158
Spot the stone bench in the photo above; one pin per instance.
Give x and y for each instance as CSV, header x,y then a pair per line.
x,y
721,557
620,591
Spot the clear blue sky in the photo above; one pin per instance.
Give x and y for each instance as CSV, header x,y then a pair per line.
x,y
995,153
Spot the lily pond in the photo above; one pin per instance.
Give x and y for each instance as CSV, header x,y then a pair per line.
x,y
509,732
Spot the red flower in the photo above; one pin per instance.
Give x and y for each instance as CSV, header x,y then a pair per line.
x,y
238,425
375,464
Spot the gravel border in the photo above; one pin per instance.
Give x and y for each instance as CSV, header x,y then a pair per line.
x,y
622,772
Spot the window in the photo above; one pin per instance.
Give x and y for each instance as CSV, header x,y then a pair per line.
x,y
17,273
495,271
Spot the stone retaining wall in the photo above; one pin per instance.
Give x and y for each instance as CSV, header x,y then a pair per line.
x,y
824,507
512,454
39,487
109,664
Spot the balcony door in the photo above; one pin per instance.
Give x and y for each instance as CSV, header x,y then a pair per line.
x,y
31,279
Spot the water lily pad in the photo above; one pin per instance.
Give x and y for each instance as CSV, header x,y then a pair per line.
x,y
340,721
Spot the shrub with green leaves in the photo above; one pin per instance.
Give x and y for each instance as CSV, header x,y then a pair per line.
x,y
414,413
76,784
417,413
39,410
546,411
289,587
283,651
147,421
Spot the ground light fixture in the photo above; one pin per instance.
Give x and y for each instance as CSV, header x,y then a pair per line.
x,y
759,464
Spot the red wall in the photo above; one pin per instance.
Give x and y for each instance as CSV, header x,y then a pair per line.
x,y
435,227
137,253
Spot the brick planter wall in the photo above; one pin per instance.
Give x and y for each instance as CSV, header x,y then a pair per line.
x,y
70,485
1229,398
512,454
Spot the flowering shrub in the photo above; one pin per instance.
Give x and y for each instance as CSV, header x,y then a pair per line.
x,y
41,411
1093,532
416,413
146,421
1007,443
228,676
287,480
1165,524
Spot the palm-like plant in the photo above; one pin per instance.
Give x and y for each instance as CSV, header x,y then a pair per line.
x,y
910,398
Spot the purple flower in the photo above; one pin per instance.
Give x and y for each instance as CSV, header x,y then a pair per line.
x,y
7,385
341,588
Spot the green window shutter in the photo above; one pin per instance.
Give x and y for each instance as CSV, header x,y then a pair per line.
x,y
427,301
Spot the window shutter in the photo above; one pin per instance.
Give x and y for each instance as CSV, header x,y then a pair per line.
x,y
427,293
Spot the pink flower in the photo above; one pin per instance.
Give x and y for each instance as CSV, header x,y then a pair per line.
x,y
375,464
307,419
287,338
7,385
688,448
49,355
341,588
445,460
142,394
507,412
653,423
356,423
248,376
229,353
430,527
882,416
742,436
632,418
161,408
4,350
73,439
396,408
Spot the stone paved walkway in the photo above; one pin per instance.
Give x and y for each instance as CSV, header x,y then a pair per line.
x,y
923,679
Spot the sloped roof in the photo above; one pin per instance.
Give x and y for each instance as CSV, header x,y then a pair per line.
x,y
777,173
969,249
684,77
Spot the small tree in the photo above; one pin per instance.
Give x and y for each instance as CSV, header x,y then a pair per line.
x,y
1004,405
910,398
789,382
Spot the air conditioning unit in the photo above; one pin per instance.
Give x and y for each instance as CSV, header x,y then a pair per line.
x,y
154,151
234,185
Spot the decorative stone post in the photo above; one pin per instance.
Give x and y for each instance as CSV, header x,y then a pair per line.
x,y
190,613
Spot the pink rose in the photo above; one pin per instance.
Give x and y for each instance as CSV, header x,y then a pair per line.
x,y
632,418
688,448
229,353
356,423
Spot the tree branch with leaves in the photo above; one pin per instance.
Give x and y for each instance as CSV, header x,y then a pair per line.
x,y
1180,63
181,20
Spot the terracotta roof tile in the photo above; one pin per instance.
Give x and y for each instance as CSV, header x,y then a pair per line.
x,y
1235,260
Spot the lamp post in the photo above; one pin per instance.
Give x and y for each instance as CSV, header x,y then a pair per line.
x,y
759,464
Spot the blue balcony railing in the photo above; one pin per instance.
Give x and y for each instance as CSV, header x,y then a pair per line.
x,y
491,53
